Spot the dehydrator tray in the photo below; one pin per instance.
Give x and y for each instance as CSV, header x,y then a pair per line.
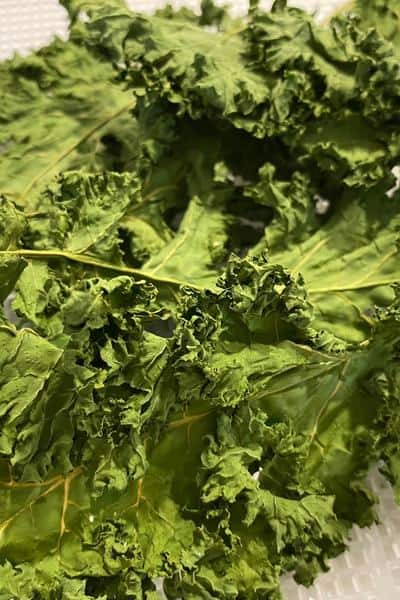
x,y
370,569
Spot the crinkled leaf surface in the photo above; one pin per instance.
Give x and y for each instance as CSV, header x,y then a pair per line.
x,y
60,109
198,364
349,264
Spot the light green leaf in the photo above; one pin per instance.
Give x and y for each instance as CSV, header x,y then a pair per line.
x,y
59,106
350,264
202,234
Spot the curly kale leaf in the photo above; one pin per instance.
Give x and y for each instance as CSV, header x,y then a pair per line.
x,y
61,109
198,365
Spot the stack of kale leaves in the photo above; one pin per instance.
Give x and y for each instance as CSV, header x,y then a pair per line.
x,y
200,270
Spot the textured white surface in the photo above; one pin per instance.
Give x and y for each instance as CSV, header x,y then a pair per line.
x,y
28,24
370,570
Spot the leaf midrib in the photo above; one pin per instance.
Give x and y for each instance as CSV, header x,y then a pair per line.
x,y
92,261
67,151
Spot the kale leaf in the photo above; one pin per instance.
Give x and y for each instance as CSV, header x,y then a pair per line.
x,y
198,363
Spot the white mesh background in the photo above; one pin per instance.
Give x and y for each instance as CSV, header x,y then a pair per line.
x,y
370,570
